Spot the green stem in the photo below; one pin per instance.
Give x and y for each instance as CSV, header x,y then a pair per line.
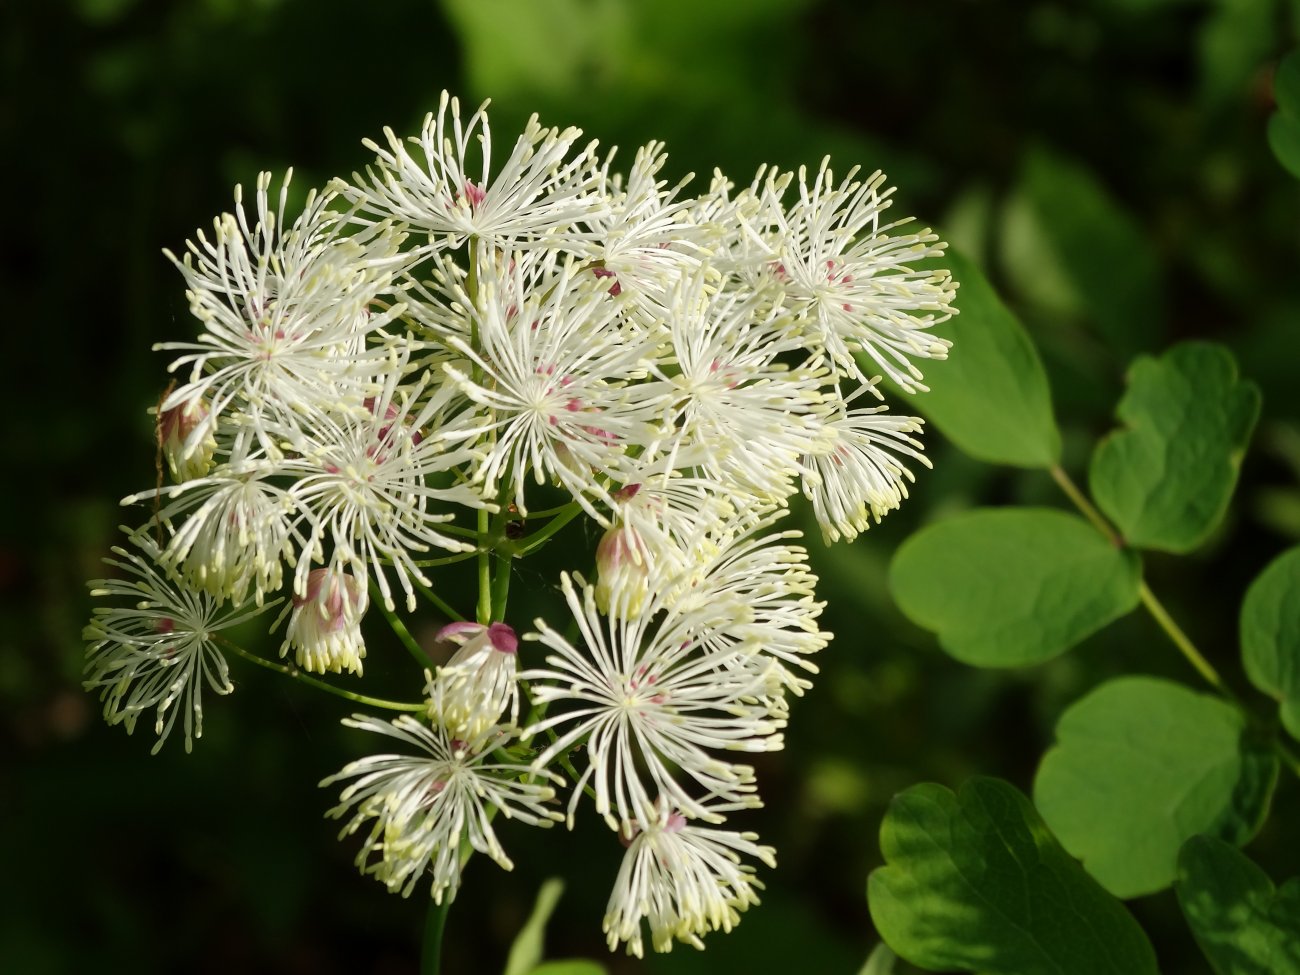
x,y
399,629
1153,605
500,588
484,569
1182,641
1084,505
296,674
444,606
446,559
544,534
1287,757
431,947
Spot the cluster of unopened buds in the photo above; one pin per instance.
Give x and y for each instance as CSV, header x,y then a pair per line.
x,y
446,360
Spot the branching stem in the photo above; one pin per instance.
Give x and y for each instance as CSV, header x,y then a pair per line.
x,y
296,674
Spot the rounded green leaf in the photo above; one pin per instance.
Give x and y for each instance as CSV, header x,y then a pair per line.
x,y
990,396
1139,766
974,882
1243,924
1284,140
1286,85
1270,633
1006,587
1166,478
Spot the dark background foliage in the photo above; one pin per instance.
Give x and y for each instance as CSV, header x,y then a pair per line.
x,y
1010,126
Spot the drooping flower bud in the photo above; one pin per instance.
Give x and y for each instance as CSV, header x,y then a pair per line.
x,y
186,438
470,693
622,571
325,625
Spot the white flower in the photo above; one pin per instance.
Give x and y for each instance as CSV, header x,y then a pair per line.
x,y
285,311
647,699
158,651
325,626
861,477
647,240
771,625
370,482
236,533
853,279
683,880
474,689
552,374
743,417
423,806
662,525
449,190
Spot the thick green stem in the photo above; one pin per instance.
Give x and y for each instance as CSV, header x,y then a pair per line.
x,y
431,946
500,587
296,674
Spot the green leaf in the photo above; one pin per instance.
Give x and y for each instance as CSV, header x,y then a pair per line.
x,y
990,396
975,882
1072,249
1284,140
1006,587
1286,85
1243,924
1270,634
1167,477
526,952
1139,766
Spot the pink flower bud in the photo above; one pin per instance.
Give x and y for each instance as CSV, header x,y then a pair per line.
x,y
185,436
325,626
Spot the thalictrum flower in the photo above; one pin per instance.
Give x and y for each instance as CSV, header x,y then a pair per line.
x,y
371,483
285,309
862,477
743,417
423,806
447,187
156,651
682,879
551,373
649,698
854,279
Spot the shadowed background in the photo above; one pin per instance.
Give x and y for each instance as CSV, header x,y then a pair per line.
x,y
1008,126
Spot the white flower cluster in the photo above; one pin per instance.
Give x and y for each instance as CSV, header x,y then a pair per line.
x,y
445,349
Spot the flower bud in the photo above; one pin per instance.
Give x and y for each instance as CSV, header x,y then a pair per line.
x,y
622,571
476,686
325,626
185,436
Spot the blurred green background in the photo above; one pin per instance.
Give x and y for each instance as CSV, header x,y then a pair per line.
x,y
1105,160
